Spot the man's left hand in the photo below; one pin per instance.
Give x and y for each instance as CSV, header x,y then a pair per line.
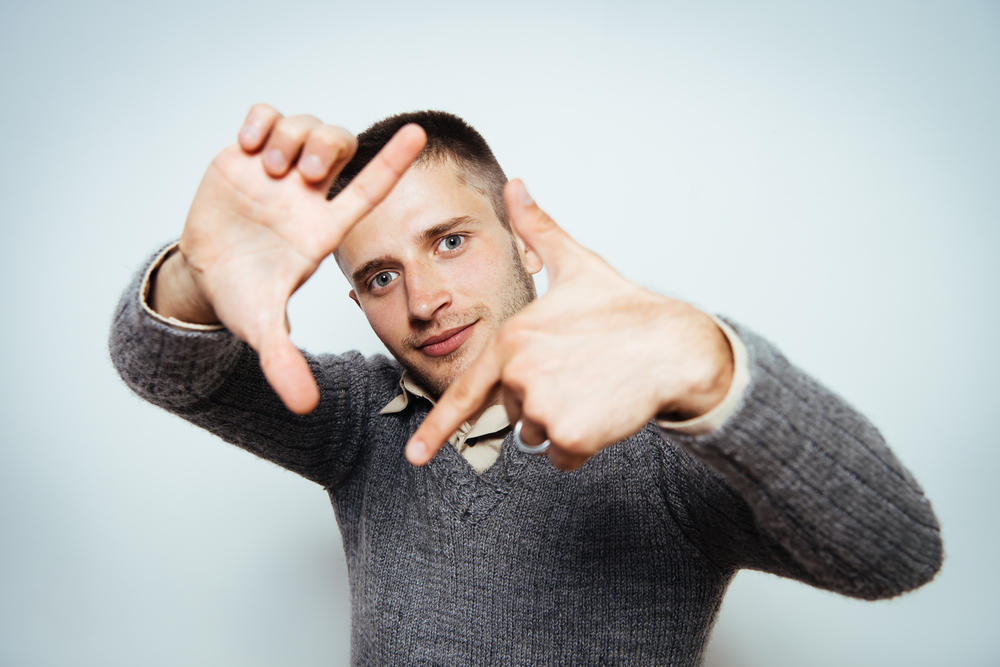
x,y
589,363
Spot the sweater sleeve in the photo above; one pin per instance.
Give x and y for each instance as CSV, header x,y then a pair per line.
x,y
213,379
799,484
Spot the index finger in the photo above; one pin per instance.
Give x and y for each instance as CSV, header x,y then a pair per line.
x,y
461,400
375,181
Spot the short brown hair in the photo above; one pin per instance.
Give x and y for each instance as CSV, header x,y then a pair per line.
x,y
449,138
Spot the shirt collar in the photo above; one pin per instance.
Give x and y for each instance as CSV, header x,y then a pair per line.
x,y
407,388
493,419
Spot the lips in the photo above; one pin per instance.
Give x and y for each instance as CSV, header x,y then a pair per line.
x,y
446,341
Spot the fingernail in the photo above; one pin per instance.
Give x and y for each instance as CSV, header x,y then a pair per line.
x,y
274,160
250,134
526,199
311,166
416,449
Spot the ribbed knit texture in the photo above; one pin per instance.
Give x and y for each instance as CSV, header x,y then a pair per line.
x,y
623,562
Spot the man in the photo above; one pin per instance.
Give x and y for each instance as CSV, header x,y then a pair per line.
x,y
478,552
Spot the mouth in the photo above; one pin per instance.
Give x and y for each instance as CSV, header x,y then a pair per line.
x,y
447,341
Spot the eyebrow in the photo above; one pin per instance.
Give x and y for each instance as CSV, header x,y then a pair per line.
x,y
371,265
427,235
440,230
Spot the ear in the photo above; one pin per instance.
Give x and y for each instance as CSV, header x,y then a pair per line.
x,y
354,297
532,262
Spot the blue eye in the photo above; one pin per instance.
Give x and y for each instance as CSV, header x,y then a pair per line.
x,y
383,279
451,242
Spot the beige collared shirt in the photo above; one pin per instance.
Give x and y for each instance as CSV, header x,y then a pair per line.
x,y
480,442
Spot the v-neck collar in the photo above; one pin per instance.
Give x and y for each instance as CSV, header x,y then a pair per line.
x,y
471,495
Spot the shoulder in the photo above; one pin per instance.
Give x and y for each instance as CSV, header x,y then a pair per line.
x,y
370,381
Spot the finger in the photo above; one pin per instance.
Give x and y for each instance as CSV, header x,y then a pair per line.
x,y
512,404
556,248
288,374
327,151
375,181
259,121
532,433
564,460
462,400
285,143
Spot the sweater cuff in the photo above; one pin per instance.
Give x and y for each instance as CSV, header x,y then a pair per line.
x,y
720,414
171,365
147,280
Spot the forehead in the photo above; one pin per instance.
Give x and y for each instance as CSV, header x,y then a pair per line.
x,y
426,196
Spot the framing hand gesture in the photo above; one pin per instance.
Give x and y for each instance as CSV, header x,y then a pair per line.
x,y
259,227
591,361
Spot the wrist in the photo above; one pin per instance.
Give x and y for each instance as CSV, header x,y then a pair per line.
x,y
703,380
174,292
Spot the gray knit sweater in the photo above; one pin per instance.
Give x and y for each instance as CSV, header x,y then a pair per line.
x,y
623,562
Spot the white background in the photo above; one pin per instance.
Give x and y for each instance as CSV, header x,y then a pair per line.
x,y
826,175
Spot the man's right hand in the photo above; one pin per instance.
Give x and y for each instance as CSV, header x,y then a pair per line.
x,y
260,225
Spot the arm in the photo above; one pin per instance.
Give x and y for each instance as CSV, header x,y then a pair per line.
x,y
802,485
211,378
259,227
216,349
592,361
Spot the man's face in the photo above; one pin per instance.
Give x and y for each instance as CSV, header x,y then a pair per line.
x,y
435,273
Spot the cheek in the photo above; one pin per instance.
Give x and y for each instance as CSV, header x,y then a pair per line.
x,y
387,319
478,277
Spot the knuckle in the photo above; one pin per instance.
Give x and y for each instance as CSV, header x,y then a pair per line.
x,y
286,131
304,121
463,395
543,222
382,162
328,140
260,109
345,136
350,144
360,189
570,437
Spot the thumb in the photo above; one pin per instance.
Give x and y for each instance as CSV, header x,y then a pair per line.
x,y
557,249
288,373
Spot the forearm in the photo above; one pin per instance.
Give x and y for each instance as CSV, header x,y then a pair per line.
x,y
822,484
206,375
170,363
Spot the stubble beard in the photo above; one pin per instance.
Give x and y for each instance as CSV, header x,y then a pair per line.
x,y
518,291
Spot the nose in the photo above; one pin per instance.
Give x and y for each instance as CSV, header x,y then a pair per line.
x,y
425,293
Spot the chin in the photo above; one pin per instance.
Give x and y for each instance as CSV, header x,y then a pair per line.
x,y
438,379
